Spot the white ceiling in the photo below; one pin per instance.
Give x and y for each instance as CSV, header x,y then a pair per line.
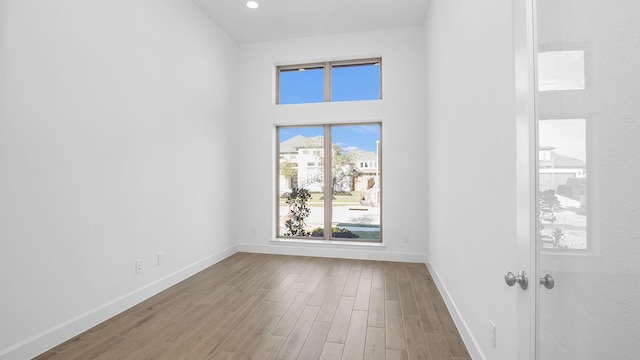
x,y
285,19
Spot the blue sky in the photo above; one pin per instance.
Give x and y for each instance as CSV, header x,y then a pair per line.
x,y
301,87
348,83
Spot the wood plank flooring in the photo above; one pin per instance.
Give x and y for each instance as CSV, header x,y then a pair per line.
x,y
257,306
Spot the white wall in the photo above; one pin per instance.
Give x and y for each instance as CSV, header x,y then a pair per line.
x,y
403,136
472,167
113,146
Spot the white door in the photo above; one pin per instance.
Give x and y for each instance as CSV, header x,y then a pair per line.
x,y
582,103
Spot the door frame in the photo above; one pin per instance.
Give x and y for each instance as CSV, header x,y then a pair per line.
x,y
526,175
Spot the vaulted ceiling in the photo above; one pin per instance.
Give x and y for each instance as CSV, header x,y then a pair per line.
x,y
285,19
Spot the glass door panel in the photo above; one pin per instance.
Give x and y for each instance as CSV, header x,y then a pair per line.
x,y
356,173
300,152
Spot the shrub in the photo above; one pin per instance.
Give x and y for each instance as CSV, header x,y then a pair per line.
x,y
298,212
335,233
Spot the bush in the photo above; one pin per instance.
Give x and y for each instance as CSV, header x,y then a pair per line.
x,y
335,233
298,212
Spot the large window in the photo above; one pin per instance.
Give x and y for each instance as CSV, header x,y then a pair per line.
x,y
329,177
352,80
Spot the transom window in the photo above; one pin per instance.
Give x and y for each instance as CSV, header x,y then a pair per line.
x,y
352,80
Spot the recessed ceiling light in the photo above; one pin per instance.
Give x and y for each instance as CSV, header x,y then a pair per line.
x,y
252,4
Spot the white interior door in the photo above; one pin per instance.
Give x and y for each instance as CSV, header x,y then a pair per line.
x,y
578,130
587,116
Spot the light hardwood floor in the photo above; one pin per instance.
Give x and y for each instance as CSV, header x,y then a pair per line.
x,y
257,306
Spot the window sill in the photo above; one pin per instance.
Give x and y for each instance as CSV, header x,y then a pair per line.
x,y
338,243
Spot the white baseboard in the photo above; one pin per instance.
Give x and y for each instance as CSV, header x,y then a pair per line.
x,y
467,337
47,339
333,250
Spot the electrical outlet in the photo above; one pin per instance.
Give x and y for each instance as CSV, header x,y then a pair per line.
x,y
160,258
405,238
139,266
492,333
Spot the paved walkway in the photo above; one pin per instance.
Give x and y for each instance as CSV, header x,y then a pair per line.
x,y
354,214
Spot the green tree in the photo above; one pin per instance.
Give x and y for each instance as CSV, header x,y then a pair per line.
x,y
288,170
343,169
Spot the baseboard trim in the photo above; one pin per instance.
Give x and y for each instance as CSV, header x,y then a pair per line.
x,y
467,337
49,338
340,251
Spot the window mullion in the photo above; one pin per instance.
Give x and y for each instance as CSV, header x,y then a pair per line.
x,y
327,81
328,183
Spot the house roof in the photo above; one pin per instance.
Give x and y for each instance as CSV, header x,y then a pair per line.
x,y
292,145
562,161
361,155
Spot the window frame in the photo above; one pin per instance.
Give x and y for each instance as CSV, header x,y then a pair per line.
x,y
327,191
327,66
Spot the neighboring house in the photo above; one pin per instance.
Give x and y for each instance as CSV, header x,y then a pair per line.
x,y
368,179
306,154
560,173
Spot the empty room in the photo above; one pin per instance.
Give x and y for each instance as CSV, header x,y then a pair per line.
x,y
337,179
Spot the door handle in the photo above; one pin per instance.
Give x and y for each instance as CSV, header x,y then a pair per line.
x,y
521,279
547,281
